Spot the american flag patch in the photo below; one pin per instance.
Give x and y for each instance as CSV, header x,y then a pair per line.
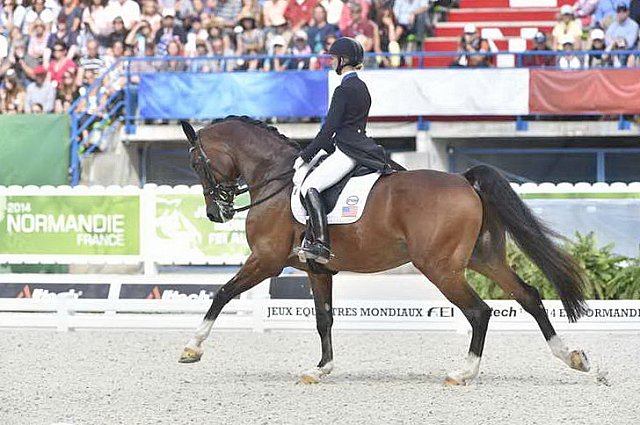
x,y
350,211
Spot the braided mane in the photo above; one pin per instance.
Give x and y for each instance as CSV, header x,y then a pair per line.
x,y
260,124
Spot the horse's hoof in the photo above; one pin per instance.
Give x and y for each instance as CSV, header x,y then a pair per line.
x,y
579,361
451,381
313,376
308,379
190,355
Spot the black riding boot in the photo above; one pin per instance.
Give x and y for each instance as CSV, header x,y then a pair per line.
x,y
319,249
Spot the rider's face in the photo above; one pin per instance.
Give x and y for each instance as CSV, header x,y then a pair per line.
x,y
334,62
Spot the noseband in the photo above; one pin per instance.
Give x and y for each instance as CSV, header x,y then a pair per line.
x,y
224,192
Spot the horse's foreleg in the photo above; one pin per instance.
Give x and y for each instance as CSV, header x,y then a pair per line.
x,y
249,276
321,285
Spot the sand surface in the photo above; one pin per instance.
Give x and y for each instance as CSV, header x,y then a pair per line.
x,y
132,377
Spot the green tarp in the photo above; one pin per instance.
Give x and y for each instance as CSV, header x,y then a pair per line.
x,y
34,149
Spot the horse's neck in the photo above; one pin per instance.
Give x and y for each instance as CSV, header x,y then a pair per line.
x,y
257,166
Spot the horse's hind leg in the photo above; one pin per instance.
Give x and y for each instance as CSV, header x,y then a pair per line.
x,y
529,298
322,288
457,290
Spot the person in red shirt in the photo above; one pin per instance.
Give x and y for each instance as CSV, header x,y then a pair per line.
x,y
60,63
299,13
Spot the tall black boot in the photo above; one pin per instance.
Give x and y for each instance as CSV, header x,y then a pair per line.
x,y
319,249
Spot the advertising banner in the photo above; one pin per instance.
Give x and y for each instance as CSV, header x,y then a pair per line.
x,y
49,291
70,225
184,234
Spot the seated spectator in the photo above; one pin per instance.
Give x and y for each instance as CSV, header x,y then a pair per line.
x,y
151,15
96,17
218,48
596,58
250,64
345,18
366,29
622,27
168,32
21,62
584,10
38,38
248,36
324,62
59,64
279,48
620,60
540,45
174,50
471,42
411,15
12,15
71,13
146,66
251,8
202,51
300,47
279,28
569,60
299,13
119,32
319,28
37,12
334,10
70,40
228,11
567,25
390,32
67,93
12,95
40,92
92,60
128,10
4,46
273,10
140,35
606,12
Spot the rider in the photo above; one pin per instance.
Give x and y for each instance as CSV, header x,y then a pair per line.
x,y
343,136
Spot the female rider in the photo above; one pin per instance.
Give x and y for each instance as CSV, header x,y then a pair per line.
x,y
343,136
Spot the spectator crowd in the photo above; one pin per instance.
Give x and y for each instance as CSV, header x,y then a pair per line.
x,y
51,51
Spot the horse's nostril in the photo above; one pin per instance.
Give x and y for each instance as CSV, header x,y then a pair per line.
x,y
211,217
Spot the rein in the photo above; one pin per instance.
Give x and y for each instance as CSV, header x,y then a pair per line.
x,y
224,192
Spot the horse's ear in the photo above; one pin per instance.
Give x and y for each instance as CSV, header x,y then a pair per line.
x,y
190,132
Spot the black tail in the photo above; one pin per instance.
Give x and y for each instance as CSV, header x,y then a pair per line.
x,y
532,237
189,131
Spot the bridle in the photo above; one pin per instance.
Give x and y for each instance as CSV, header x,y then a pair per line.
x,y
223,193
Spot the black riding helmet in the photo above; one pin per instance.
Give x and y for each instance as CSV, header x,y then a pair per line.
x,y
348,51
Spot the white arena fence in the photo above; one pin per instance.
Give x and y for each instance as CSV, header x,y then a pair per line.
x,y
167,225
416,307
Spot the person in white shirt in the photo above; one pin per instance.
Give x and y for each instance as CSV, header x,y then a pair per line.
x,y
568,60
128,10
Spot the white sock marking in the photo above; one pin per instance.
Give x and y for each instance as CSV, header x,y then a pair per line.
x,y
202,333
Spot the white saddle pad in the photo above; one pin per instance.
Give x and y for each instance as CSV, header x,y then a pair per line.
x,y
350,203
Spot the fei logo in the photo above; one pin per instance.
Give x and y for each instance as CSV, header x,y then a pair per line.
x,y
353,200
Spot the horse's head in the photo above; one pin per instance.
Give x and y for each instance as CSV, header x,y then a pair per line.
x,y
217,174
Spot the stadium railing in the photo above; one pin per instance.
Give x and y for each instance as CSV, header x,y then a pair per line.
x,y
115,91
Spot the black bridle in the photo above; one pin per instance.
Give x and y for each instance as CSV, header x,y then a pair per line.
x,y
224,193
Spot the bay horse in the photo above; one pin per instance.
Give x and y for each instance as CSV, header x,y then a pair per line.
x,y
442,223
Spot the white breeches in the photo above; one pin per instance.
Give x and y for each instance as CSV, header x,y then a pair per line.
x,y
329,172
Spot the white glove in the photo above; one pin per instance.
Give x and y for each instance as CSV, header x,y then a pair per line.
x,y
298,163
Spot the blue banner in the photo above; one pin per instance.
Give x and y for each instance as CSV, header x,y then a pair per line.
x,y
215,95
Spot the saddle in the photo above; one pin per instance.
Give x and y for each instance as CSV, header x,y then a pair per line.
x,y
344,201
